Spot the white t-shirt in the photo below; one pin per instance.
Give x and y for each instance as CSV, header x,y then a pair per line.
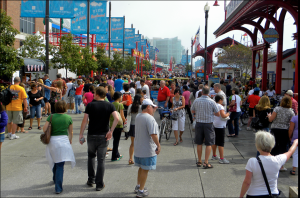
x,y
196,96
146,87
212,93
138,85
237,99
252,91
132,91
271,165
218,123
122,91
271,93
69,85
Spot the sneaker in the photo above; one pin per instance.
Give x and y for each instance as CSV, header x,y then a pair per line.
x,y
73,112
215,158
223,161
99,189
14,136
142,194
248,129
45,115
91,184
8,135
137,188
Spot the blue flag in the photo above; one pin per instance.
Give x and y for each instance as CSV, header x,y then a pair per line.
x,y
98,22
79,22
129,38
33,8
102,38
156,50
143,43
118,45
138,39
61,9
117,29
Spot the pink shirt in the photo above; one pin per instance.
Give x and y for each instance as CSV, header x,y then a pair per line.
x,y
89,97
111,82
186,95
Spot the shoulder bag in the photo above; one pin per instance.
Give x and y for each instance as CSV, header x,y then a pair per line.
x,y
126,126
255,123
233,108
45,137
120,122
266,180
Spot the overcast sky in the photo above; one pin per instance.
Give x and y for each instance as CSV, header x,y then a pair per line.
x,y
168,19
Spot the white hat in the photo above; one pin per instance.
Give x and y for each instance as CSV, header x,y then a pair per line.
x,y
290,93
148,102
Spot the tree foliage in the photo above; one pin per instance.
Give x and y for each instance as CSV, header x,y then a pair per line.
x,y
9,60
117,64
147,66
68,55
87,63
188,68
103,61
129,63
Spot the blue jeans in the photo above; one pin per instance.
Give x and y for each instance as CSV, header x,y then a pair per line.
x,y
162,104
234,116
58,173
35,110
78,101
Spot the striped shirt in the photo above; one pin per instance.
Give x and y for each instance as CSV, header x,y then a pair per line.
x,y
205,108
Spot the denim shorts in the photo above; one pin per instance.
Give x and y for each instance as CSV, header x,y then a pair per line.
x,y
2,136
35,110
146,163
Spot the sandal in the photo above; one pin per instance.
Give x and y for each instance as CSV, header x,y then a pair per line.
x,y
180,139
24,131
199,164
205,166
39,128
293,172
130,162
176,143
29,128
109,149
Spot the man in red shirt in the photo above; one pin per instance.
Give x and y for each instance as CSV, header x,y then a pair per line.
x,y
290,94
163,97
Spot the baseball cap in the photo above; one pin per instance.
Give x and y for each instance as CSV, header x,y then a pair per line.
x,y
290,92
148,102
256,89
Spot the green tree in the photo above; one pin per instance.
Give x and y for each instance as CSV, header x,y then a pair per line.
x,y
117,64
129,63
9,60
188,68
68,55
88,63
147,66
103,61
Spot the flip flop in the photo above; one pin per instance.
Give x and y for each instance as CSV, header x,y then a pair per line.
x,y
29,128
180,139
230,135
176,143
293,172
39,128
130,162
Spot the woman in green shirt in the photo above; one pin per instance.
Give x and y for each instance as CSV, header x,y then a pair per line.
x,y
118,130
59,148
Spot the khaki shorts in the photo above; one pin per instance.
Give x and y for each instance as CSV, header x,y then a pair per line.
x,y
15,116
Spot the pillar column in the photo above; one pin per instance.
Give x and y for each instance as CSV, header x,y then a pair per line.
x,y
296,71
278,79
253,64
264,69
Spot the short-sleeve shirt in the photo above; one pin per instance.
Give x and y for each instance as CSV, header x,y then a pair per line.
x,y
118,106
253,100
221,93
271,164
89,97
60,124
35,96
119,84
163,93
218,123
17,101
271,93
205,108
186,95
283,118
47,91
146,87
79,90
145,126
99,122
295,132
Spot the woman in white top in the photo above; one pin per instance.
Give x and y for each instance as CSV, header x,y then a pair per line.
x,y
254,184
219,126
234,116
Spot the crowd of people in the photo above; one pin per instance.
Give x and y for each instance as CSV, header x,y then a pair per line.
x,y
128,98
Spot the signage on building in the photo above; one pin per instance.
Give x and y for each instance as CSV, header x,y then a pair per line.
x,y
271,35
257,60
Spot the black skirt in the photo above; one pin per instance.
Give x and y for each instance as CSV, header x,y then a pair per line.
x,y
132,131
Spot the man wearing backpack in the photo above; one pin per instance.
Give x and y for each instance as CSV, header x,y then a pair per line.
x,y
14,108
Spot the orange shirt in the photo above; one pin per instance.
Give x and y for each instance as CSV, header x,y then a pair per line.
x,y
16,103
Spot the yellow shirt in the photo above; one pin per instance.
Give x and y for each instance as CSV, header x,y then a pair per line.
x,y
16,103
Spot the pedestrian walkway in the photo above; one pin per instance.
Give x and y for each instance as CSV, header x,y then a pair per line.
x,y
25,170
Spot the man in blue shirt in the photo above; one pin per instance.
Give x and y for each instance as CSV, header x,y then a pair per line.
x,y
119,84
47,82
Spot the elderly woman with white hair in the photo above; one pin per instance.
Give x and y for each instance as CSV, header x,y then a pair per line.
x,y
254,184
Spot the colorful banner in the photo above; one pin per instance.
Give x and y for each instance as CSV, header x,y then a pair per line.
x,y
98,19
61,9
79,22
102,38
118,45
129,38
144,44
137,38
117,29
33,8
152,53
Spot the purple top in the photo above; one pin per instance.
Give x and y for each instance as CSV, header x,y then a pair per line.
x,y
295,132
3,121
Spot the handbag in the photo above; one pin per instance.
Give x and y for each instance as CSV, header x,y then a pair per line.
x,y
266,180
45,137
126,126
233,108
255,123
120,122
225,119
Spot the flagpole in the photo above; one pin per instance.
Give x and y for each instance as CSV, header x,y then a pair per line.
x,y
109,29
192,54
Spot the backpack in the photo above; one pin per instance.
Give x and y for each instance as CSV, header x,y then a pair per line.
x,y
127,96
72,92
6,96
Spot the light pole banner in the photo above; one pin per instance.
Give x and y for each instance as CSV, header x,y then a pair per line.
x,y
33,8
129,38
151,53
61,9
138,39
118,45
117,30
102,38
144,43
98,20
79,22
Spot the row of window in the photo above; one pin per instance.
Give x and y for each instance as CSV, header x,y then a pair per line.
x,y
27,25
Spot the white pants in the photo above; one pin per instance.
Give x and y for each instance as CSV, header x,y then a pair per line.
x,y
178,124
295,158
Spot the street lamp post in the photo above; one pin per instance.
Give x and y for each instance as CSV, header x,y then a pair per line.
x,y
206,9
